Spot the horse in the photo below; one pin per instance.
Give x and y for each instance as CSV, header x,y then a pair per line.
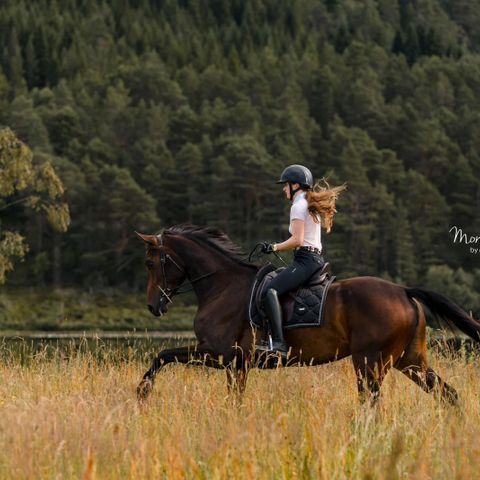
x,y
378,323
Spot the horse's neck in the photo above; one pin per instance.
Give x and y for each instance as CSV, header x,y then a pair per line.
x,y
211,271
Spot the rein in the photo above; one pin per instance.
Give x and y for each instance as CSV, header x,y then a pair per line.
x,y
254,251
168,293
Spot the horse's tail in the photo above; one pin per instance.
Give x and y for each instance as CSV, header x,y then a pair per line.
x,y
447,310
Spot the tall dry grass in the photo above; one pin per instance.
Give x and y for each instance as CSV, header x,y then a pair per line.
x,y
76,416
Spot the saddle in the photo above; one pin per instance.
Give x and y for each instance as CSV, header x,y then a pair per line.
x,y
302,307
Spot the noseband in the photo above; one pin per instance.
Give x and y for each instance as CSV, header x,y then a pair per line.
x,y
167,292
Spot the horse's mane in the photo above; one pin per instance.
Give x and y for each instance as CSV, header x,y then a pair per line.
x,y
214,237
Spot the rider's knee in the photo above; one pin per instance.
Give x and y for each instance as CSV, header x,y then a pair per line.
x,y
271,293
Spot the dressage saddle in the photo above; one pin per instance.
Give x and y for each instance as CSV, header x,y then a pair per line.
x,y
301,308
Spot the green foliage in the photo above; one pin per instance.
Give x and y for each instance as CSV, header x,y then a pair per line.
x,y
40,189
155,113
11,245
459,285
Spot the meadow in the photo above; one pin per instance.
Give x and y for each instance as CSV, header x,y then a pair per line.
x,y
72,413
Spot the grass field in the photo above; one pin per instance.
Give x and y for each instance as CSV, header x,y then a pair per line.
x,y
75,415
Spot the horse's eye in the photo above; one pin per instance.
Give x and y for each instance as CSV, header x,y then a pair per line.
x,y
149,264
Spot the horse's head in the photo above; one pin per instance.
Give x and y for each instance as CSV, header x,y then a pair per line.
x,y
166,273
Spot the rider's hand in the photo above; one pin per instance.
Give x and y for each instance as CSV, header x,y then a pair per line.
x,y
267,247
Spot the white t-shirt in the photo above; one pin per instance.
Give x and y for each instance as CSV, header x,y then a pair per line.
x,y
299,211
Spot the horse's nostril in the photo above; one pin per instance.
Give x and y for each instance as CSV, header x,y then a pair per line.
x,y
150,308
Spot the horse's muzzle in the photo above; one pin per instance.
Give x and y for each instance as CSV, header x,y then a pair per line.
x,y
157,311
153,311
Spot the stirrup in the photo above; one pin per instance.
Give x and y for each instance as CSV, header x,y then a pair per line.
x,y
278,349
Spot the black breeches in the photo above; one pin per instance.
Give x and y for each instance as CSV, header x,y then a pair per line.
x,y
304,265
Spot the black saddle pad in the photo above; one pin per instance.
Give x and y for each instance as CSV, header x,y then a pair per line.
x,y
309,305
308,301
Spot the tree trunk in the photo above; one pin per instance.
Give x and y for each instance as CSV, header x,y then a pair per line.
x,y
57,260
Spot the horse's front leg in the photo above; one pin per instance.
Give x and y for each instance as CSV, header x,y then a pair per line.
x,y
185,354
237,380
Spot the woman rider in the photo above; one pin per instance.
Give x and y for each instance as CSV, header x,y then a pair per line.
x,y
310,205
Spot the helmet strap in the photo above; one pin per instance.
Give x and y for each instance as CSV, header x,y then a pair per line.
x,y
292,191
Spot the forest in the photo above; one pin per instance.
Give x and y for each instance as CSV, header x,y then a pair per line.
x,y
155,113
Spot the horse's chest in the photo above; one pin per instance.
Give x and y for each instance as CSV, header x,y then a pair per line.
x,y
217,332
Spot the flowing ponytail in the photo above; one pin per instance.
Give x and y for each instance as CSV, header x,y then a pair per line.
x,y
321,202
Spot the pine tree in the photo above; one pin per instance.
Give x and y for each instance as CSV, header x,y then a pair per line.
x,y
322,99
15,64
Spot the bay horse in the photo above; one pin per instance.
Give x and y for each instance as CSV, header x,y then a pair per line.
x,y
379,323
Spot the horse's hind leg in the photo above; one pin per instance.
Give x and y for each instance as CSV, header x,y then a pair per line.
x,y
370,369
414,364
429,381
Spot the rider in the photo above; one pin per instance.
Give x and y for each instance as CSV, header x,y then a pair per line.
x,y
310,205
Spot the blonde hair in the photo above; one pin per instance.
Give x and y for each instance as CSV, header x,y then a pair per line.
x,y
321,202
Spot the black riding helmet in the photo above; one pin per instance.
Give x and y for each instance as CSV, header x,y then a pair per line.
x,y
296,174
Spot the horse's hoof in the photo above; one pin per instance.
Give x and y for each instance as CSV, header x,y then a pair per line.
x,y
144,389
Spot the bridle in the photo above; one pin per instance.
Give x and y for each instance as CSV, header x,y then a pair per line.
x,y
167,293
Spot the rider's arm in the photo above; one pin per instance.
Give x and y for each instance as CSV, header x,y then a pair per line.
x,y
296,240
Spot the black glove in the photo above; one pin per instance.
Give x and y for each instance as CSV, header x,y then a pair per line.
x,y
267,247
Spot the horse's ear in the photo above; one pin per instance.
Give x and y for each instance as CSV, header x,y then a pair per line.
x,y
150,239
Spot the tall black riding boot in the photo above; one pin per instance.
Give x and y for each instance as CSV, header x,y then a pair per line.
x,y
273,310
